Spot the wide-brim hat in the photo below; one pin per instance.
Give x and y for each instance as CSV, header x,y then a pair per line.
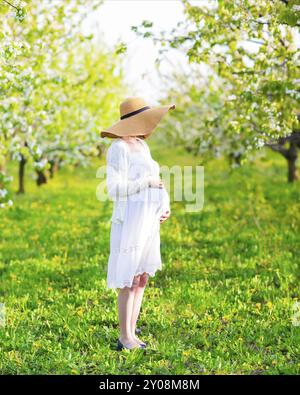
x,y
136,118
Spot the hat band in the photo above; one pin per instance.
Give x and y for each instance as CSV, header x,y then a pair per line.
x,y
130,114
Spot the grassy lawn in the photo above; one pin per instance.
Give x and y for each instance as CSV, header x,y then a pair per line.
x,y
222,304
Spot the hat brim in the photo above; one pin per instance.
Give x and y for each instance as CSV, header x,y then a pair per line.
x,y
141,124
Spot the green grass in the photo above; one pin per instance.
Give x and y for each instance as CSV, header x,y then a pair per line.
x,y
222,304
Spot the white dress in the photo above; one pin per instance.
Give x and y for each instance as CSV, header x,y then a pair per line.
x,y
135,241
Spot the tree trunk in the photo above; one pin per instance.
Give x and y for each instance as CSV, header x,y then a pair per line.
x,y
41,178
3,166
290,153
292,157
22,164
235,159
100,150
53,167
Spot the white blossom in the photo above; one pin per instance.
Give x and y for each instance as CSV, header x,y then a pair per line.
x,y
3,193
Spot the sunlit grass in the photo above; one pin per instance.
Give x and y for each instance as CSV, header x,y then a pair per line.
x,y
222,304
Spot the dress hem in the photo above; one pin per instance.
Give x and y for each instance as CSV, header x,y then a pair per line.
x,y
129,284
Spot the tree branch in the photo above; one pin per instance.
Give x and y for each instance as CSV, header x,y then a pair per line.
x,y
268,23
278,148
293,137
10,4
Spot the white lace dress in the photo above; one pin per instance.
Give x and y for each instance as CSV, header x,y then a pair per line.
x,y
135,241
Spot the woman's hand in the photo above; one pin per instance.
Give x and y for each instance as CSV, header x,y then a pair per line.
x,y
155,183
164,217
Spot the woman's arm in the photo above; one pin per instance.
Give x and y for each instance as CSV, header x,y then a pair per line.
x,y
116,176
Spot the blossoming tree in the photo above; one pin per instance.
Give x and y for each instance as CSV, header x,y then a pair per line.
x,y
248,51
56,87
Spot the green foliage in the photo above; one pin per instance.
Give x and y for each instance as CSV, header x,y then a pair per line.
x,y
121,48
221,305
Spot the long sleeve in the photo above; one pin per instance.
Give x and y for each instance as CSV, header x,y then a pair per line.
x,y
165,204
118,185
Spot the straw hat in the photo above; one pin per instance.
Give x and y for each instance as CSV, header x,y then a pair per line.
x,y
136,118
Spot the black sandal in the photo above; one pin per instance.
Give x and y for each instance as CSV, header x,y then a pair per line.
x,y
143,345
121,346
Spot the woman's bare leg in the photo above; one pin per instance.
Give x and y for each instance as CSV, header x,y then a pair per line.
x,y
137,302
125,308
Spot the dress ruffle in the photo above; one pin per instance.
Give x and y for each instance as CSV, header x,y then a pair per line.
x,y
128,283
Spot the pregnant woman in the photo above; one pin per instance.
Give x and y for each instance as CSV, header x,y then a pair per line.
x,y
141,204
